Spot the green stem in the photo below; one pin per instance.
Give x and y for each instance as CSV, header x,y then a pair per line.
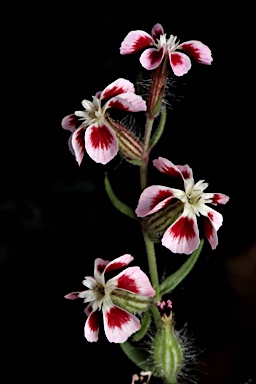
x,y
152,264
145,156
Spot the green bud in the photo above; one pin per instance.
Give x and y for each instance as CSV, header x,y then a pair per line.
x,y
131,302
156,224
130,146
167,352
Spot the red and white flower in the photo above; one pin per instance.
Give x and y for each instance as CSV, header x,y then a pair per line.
x,y
94,134
182,236
119,324
158,46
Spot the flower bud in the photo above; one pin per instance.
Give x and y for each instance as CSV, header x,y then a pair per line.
x,y
156,224
167,351
131,302
130,146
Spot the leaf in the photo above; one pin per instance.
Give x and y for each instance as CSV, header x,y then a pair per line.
x,y
159,130
136,356
144,325
173,280
118,204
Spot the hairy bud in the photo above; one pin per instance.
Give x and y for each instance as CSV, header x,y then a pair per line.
x,y
131,302
156,224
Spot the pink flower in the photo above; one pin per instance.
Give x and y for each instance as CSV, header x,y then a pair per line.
x,y
119,324
95,133
182,236
158,46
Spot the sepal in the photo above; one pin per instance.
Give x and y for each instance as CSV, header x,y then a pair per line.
x,y
156,224
131,302
130,147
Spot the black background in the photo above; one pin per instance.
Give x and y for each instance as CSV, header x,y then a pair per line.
x,y
55,217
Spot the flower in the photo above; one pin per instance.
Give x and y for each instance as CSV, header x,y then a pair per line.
x,y
151,58
182,236
96,134
119,324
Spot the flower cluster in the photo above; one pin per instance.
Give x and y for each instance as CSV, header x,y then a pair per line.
x,y
182,235
131,301
158,46
119,324
92,129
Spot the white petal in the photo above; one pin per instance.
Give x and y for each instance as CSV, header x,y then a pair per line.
x,y
154,198
91,328
180,63
119,324
183,235
135,41
134,280
101,143
116,88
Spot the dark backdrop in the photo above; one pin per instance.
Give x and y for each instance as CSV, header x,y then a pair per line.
x,y
55,217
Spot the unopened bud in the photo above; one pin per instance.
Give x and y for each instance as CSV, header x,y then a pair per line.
x,y
167,349
130,146
131,302
156,224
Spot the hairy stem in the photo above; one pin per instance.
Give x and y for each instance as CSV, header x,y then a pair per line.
x,y
145,156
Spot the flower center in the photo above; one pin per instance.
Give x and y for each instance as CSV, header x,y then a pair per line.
x,y
194,196
170,43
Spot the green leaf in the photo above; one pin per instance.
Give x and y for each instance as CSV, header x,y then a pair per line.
x,y
157,105
118,204
136,356
145,323
173,280
159,130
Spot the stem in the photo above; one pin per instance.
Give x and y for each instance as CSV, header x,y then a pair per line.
x,y
145,156
152,265
153,273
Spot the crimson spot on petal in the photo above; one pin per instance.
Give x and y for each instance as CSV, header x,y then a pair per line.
x,y
101,137
215,199
184,227
93,322
208,228
191,50
100,268
160,196
176,59
125,282
116,317
114,266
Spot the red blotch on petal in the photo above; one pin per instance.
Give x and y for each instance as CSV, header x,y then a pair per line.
x,y
125,282
92,322
141,43
208,228
161,195
192,51
184,227
216,198
101,137
116,317
112,92
115,103
176,60
114,266
100,268
155,55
